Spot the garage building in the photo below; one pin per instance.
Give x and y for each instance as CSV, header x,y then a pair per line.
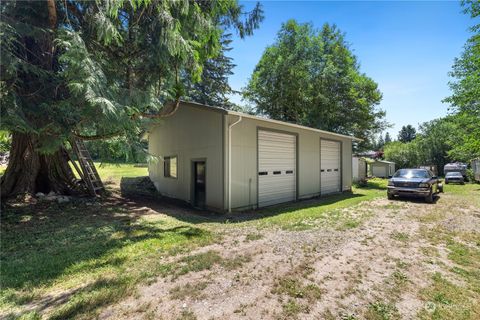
x,y
381,168
225,160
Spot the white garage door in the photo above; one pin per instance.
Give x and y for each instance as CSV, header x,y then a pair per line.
x,y
276,168
330,166
379,171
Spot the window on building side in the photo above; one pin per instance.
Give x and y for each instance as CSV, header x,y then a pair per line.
x,y
170,167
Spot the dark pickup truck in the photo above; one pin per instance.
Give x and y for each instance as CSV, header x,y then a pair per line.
x,y
414,183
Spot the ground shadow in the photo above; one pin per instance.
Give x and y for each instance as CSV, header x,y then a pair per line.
x,y
416,199
44,241
135,191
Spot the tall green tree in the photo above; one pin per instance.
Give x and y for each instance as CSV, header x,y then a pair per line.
x,y
311,77
434,142
407,134
388,139
380,143
431,146
405,155
465,86
213,88
466,69
94,69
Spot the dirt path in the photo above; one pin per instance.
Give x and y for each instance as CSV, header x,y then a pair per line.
x,y
376,270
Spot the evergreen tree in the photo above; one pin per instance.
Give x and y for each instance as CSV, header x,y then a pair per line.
x,y
407,134
97,69
380,143
311,77
213,88
388,139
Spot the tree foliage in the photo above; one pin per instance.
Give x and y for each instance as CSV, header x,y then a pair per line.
x,y
465,87
311,77
101,65
439,142
213,88
465,98
407,133
94,69
403,154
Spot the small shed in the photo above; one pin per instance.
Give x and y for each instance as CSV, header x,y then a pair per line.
x,y
476,169
381,168
359,168
431,167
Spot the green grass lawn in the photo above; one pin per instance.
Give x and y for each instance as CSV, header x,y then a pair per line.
x,y
111,171
115,171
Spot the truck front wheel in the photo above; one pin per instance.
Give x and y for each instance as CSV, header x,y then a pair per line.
x,y
429,198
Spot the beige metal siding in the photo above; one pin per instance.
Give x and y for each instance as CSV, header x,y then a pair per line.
x,y
191,133
244,161
276,167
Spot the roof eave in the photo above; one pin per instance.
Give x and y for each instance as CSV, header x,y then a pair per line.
x,y
245,115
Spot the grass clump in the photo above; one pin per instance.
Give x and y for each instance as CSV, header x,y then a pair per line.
x,y
399,277
400,236
253,236
381,310
295,289
204,261
187,315
198,262
291,309
189,290
236,262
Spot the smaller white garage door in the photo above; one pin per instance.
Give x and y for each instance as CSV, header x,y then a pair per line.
x,y
330,167
276,168
379,171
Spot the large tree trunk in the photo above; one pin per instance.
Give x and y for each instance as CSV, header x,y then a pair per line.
x,y
29,172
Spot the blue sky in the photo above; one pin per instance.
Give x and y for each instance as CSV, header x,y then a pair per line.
x,y
408,48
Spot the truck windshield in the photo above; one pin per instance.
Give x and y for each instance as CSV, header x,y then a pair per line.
x,y
453,174
409,173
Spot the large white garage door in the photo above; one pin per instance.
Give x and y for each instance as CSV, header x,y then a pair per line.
x,y
330,167
276,168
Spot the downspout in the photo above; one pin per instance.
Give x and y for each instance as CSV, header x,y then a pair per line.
x,y
230,163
